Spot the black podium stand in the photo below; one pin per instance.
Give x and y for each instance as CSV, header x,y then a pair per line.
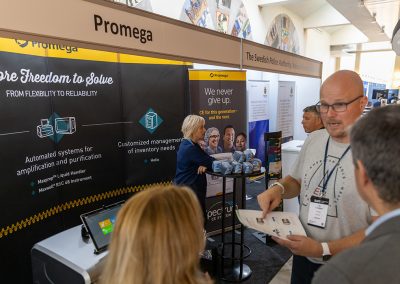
x,y
234,270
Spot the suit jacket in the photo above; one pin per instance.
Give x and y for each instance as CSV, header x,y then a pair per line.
x,y
375,260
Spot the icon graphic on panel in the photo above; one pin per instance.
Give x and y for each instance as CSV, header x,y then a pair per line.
x,y
65,125
55,127
151,120
44,129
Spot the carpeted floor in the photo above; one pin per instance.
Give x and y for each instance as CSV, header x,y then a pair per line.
x,y
266,259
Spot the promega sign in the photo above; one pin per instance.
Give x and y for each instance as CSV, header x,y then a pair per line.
x,y
214,213
212,75
43,45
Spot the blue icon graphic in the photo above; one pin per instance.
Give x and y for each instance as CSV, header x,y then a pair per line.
x,y
151,120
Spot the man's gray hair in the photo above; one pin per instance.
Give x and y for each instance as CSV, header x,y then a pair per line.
x,y
312,108
375,141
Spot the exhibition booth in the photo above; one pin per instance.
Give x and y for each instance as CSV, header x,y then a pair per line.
x,y
91,110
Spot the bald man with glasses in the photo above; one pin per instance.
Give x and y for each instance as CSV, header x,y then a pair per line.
x,y
331,211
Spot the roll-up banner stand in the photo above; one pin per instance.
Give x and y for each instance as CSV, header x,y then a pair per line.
x,y
79,129
220,97
258,116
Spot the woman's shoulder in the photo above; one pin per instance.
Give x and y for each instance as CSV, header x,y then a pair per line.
x,y
187,142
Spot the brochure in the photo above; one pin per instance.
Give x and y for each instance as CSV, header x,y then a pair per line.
x,y
278,224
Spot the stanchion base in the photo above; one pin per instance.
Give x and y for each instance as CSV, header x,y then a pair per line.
x,y
232,274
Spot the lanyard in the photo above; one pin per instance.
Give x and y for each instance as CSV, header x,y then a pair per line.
x,y
325,183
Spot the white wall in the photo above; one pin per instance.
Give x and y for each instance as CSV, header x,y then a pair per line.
x,y
348,62
170,8
306,93
378,66
318,48
347,34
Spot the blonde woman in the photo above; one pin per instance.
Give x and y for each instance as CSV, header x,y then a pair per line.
x,y
192,161
157,239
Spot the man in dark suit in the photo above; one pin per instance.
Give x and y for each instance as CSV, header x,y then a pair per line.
x,y
375,146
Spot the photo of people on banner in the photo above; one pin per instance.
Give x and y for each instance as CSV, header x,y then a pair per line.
x,y
217,142
218,96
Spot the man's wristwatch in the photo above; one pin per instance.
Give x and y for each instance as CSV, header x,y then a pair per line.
x,y
326,253
278,184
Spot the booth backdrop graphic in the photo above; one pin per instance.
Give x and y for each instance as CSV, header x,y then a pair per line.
x,y
78,129
257,109
219,97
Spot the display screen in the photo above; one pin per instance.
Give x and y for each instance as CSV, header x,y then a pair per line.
x,y
100,224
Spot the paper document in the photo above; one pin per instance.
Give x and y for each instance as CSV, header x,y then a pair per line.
x,y
278,224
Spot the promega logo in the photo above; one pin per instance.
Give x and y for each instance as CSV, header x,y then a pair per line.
x,y
22,43
212,75
35,44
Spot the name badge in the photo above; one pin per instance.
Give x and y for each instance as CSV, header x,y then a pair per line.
x,y
318,211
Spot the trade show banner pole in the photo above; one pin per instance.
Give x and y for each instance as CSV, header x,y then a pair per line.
x,y
220,97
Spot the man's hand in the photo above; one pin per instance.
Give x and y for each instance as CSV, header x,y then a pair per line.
x,y
269,199
201,170
301,245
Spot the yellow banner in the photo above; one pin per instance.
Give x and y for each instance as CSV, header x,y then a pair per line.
x,y
83,54
21,47
72,52
211,75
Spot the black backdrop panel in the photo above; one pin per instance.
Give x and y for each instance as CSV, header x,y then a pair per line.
x,y
153,100
19,142
89,156
65,145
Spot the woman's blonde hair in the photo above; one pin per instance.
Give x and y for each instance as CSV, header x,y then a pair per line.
x,y
157,239
190,124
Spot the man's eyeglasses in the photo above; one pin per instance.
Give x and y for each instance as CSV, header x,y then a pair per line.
x,y
338,107
214,136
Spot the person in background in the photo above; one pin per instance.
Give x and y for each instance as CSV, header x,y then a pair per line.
x,y
212,140
241,141
332,213
311,119
192,162
375,142
157,238
228,139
